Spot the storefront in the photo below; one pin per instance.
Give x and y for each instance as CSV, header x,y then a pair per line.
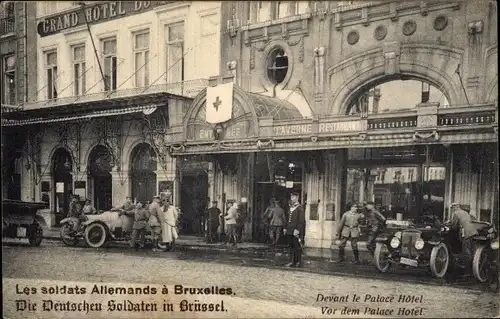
x,y
410,163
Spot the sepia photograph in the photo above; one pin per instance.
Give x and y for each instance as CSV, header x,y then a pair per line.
x,y
250,159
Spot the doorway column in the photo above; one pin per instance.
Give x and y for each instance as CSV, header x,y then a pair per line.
x,y
120,181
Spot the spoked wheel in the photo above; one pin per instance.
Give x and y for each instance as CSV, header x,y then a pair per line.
x,y
440,260
66,236
480,265
95,235
36,235
380,257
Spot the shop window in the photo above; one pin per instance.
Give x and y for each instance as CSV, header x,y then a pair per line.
x,y
277,65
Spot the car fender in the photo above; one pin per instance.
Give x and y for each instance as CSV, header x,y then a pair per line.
x,y
68,220
383,238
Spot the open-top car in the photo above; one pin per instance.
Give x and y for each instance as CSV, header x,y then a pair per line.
x,y
101,228
20,220
484,262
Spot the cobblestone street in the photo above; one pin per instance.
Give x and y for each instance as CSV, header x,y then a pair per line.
x,y
266,292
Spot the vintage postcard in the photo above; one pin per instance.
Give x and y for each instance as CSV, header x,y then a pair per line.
x,y
249,159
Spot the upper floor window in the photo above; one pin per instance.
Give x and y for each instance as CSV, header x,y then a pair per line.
x,y
49,7
277,65
175,52
51,74
79,69
141,58
110,63
9,80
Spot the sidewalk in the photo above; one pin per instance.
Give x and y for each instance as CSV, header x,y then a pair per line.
x,y
192,242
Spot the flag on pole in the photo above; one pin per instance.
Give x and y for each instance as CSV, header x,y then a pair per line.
x,y
219,103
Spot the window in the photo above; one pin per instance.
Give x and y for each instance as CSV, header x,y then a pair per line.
x,y
79,69
9,80
51,69
141,59
49,7
175,52
109,65
277,65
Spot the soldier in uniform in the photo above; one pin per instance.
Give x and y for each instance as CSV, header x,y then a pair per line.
x,y
141,218
295,230
348,228
128,206
154,220
462,221
75,210
375,221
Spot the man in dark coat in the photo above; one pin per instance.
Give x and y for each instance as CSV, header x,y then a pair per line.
x,y
375,221
212,218
462,222
295,230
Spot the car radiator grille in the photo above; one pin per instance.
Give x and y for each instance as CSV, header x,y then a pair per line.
x,y
408,240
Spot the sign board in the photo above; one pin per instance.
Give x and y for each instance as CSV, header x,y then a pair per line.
x,y
80,192
219,103
93,14
59,187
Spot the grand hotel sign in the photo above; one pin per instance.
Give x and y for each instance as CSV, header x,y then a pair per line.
x,y
93,14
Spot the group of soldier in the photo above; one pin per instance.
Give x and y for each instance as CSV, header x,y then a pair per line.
x,y
158,218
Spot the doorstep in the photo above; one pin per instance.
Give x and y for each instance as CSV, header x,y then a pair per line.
x,y
198,243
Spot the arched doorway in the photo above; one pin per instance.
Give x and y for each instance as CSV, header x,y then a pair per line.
x,y
99,170
143,173
63,182
404,182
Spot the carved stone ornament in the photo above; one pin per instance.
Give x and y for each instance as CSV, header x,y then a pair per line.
x,y
300,42
265,144
314,139
252,57
353,37
380,33
440,23
409,27
421,136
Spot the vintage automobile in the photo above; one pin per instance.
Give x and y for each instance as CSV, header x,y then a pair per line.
x,y
484,262
426,243
97,230
20,220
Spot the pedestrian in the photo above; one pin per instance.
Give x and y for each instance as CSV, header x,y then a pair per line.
x,y
266,219
88,209
348,228
232,224
128,207
140,227
212,217
240,222
75,211
154,220
276,223
168,223
295,231
462,222
375,222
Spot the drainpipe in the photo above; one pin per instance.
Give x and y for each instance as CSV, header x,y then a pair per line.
x,y
25,56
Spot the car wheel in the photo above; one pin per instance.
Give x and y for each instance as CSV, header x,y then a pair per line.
x,y
380,257
36,235
95,235
439,261
480,266
67,239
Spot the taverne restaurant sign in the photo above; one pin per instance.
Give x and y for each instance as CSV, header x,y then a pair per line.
x,y
96,13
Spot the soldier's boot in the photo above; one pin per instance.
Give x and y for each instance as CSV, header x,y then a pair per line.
x,y
356,257
298,259
341,255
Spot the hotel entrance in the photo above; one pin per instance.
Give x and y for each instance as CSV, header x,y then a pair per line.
x,y
277,175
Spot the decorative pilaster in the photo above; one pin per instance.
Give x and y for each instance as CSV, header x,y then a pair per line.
x,y
120,184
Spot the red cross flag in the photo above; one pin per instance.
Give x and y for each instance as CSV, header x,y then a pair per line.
x,y
219,103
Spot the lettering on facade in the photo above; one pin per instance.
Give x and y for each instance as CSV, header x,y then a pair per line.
x,y
340,127
205,134
95,14
296,129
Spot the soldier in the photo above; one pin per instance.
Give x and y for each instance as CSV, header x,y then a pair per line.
x,y
462,220
295,231
141,218
212,218
154,220
128,207
75,210
348,228
375,221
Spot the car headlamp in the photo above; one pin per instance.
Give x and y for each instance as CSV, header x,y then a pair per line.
x,y
419,244
398,235
494,244
490,230
395,242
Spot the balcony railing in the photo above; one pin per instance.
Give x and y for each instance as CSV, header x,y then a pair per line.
x,y
7,26
187,89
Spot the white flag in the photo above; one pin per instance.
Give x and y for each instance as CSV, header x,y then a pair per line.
x,y
219,103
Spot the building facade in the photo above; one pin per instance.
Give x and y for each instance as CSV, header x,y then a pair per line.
x,y
312,110
18,84
113,78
